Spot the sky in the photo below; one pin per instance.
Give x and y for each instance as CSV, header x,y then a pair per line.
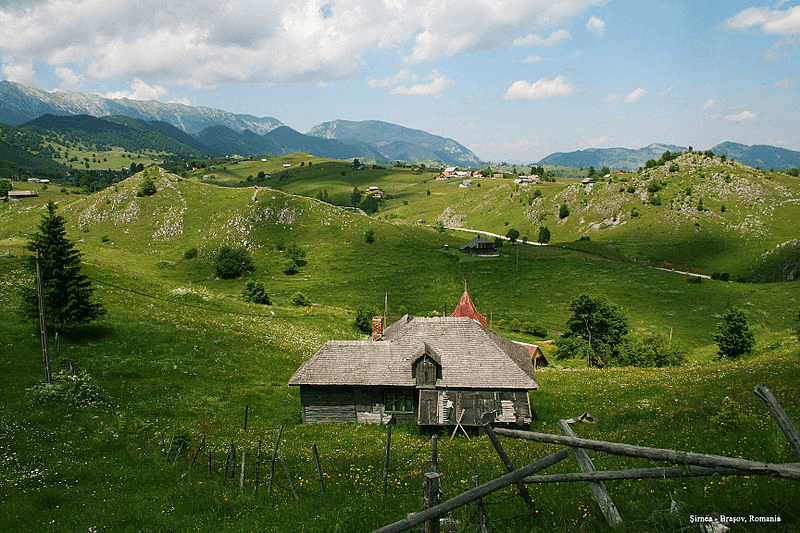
x,y
512,80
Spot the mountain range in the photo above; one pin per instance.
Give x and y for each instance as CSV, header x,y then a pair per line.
x,y
222,133
761,156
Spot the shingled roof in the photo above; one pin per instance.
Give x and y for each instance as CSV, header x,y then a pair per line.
x,y
471,356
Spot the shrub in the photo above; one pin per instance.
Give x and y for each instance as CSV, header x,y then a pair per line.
x,y
652,350
654,186
290,267
233,262
544,235
300,300
369,236
72,390
363,320
256,292
297,254
733,335
631,189
147,188
191,253
563,211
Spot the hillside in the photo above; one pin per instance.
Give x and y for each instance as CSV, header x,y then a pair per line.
x,y
396,142
180,357
760,156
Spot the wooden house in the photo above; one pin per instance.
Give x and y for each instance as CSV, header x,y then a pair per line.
x,y
437,371
480,245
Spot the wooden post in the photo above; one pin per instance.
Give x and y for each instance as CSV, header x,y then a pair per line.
x,y
227,464
48,376
209,463
319,470
598,488
473,494
523,490
241,477
481,510
289,477
783,420
786,471
435,453
274,455
258,466
202,443
431,497
246,409
169,450
386,459
233,459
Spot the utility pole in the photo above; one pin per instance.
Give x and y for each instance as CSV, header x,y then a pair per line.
x,y
48,377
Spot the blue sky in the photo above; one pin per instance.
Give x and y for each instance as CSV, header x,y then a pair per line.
x,y
513,80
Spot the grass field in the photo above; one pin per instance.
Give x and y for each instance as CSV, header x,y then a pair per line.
x,y
176,360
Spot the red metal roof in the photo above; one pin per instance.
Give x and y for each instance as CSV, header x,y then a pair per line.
x,y
466,308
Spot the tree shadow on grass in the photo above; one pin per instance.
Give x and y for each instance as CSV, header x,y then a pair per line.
x,y
86,333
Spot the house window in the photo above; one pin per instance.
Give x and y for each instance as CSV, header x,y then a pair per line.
x,y
398,402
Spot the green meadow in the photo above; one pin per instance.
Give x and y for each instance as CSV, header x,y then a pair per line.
x,y
179,355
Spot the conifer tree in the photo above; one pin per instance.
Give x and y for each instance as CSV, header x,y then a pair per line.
x,y
66,292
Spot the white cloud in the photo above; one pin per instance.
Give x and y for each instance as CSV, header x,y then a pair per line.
x,y
181,100
614,97
710,103
207,43
534,40
772,22
741,117
402,76
139,91
534,59
634,95
596,26
543,88
603,141
786,82
436,87
70,80
21,72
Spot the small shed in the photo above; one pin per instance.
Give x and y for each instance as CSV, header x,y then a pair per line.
x,y
438,371
480,245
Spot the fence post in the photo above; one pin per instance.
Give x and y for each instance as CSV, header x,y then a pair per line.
x,y
523,490
598,488
319,469
386,459
246,409
233,459
289,477
274,455
431,497
241,477
258,466
783,420
481,510
202,443
435,453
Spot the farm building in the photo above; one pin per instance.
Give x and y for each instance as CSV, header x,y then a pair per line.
x,y
26,193
480,245
438,371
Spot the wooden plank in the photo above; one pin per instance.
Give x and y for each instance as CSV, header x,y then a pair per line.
x,y
431,497
473,494
319,470
386,459
523,490
786,471
598,489
274,455
783,420
289,477
635,473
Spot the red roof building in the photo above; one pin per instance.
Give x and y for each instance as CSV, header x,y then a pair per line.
x,y
466,308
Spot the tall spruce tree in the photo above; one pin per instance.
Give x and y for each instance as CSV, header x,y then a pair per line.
x,y
66,292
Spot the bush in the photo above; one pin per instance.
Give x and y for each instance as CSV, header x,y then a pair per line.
x,y
563,211
653,350
191,253
544,235
369,236
255,292
733,335
233,262
363,320
300,300
298,254
290,267
72,390
147,188
570,347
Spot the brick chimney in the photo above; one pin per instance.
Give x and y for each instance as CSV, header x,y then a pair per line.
x,y
377,328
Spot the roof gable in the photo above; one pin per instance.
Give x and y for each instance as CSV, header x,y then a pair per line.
x,y
467,309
